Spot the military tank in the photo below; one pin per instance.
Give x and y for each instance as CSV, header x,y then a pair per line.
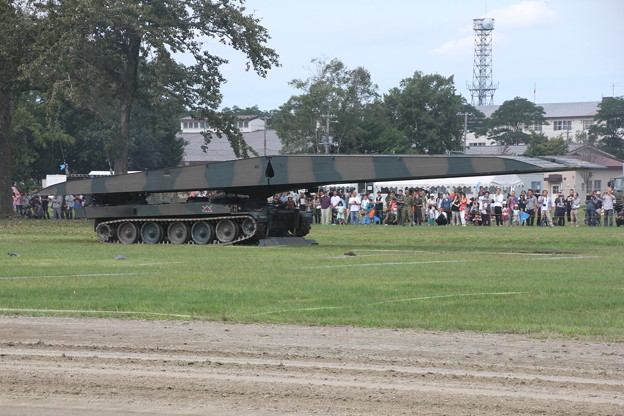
x,y
139,207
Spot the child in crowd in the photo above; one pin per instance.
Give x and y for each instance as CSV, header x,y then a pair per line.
x,y
392,213
505,214
340,213
619,221
516,216
485,212
432,212
476,220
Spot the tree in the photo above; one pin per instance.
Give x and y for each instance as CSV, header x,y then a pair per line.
x,y
428,111
154,141
508,123
476,121
609,127
248,111
334,101
94,51
35,144
16,32
378,135
540,145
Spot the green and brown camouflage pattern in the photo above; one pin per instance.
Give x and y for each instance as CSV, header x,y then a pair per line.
x,y
263,176
130,208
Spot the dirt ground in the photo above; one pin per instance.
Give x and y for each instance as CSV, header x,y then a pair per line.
x,y
64,366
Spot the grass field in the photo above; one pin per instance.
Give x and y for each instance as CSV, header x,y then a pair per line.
x,y
542,281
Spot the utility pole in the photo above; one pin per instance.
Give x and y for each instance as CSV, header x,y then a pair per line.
x,y
465,130
327,139
265,129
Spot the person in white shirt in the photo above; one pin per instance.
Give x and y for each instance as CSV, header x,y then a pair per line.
x,y
498,207
607,205
574,209
354,208
546,204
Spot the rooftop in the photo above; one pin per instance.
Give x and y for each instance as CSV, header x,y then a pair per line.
x,y
219,148
586,109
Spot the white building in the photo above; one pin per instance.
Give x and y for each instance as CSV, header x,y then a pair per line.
x,y
245,124
564,119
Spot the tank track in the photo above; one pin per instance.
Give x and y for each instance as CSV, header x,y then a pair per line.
x,y
112,225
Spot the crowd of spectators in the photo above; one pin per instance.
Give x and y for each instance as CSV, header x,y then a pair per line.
x,y
408,206
415,207
40,207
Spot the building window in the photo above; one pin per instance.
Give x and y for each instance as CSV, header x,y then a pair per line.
x,y
587,123
597,185
582,186
563,125
243,124
537,127
536,185
555,189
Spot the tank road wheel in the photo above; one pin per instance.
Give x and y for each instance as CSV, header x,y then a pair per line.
x,y
105,233
128,233
178,233
226,231
248,227
302,229
202,232
151,233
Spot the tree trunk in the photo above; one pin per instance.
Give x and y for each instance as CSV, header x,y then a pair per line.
x,y
127,90
6,201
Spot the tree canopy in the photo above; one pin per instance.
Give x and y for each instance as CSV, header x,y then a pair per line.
x,y
428,111
102,54
423,115
17,32
609,127
540,145
507,123
334,99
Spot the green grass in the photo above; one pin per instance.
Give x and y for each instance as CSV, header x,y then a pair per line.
x,y
564,281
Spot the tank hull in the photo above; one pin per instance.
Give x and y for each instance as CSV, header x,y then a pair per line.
x,y
199,222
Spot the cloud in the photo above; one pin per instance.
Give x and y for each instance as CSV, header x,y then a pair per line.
x,y
455,48
521,15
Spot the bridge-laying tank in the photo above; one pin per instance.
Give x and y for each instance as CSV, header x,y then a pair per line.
x,y
139,207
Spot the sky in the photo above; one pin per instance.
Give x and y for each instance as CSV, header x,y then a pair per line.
x,y
564,50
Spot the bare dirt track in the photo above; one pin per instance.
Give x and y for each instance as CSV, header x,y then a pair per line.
x,y
65,366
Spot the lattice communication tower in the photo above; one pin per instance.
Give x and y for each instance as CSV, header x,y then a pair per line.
x,y
482,88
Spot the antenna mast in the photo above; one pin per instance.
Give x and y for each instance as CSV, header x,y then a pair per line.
x,y
482,88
